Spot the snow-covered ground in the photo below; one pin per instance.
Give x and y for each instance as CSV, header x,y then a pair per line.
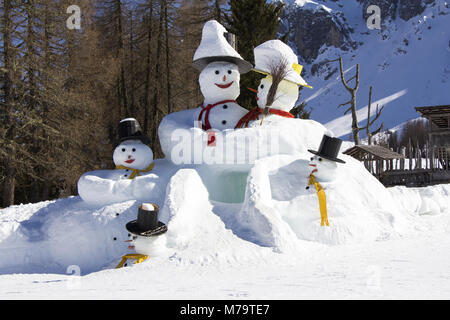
x,y
208,256
411,268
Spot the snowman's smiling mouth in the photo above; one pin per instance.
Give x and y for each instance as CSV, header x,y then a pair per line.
x,y
224,86
315,168
130,161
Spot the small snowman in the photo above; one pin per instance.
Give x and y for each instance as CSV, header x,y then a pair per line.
x,y
220,67
132,157
325,165
278,92
146,232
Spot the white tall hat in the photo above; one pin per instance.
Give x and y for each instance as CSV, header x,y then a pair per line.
x,y
215,47
272,52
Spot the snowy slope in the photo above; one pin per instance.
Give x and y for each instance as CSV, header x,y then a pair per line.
x,y
408,60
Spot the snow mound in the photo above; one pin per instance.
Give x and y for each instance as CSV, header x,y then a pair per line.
x,y
195,234
184,144
98,189
278,209
276,213
51,236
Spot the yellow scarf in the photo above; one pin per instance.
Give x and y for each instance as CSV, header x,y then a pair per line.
x,y
136,172
322,200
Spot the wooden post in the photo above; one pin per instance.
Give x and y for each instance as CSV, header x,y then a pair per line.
x,y
445,159
430,143
232,40
410,154
419,156
432,158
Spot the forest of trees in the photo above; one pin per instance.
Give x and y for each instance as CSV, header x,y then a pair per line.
x,y
413,137
63,91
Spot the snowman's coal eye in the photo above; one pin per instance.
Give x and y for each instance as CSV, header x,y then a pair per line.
x,y
134,237
224,122
320,159
229,71
123,149
217,72
312,159
134,150
262,86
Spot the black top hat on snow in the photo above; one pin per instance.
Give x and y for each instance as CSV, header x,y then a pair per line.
x,y
129,129
329,149
147,224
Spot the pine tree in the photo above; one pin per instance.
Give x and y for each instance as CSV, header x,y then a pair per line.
x,y
300,111
253,22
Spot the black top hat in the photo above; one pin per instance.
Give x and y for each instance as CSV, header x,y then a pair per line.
x,y
329,149
129,129
147,224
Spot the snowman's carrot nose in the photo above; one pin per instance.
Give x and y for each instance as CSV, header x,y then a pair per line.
x,y
224,78
129,241
253,90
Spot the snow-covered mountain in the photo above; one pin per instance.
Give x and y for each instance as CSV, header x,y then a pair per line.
x,y
407,61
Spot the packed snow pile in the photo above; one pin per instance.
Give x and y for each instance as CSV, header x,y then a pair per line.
x,y
278,214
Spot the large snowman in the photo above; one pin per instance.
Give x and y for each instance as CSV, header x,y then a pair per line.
x,y
270,57
133,159
220,69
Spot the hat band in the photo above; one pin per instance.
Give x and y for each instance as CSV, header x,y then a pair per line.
x,y
297,68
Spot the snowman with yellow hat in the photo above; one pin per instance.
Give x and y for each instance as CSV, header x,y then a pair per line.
x,y
278,92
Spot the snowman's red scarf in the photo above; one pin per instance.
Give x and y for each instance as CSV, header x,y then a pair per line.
x,y
256,112
207,125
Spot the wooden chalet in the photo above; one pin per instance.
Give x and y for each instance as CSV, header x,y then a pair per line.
x,y
377,159
438,135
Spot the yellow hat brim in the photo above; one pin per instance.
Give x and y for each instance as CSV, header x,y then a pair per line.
x,y
268,74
